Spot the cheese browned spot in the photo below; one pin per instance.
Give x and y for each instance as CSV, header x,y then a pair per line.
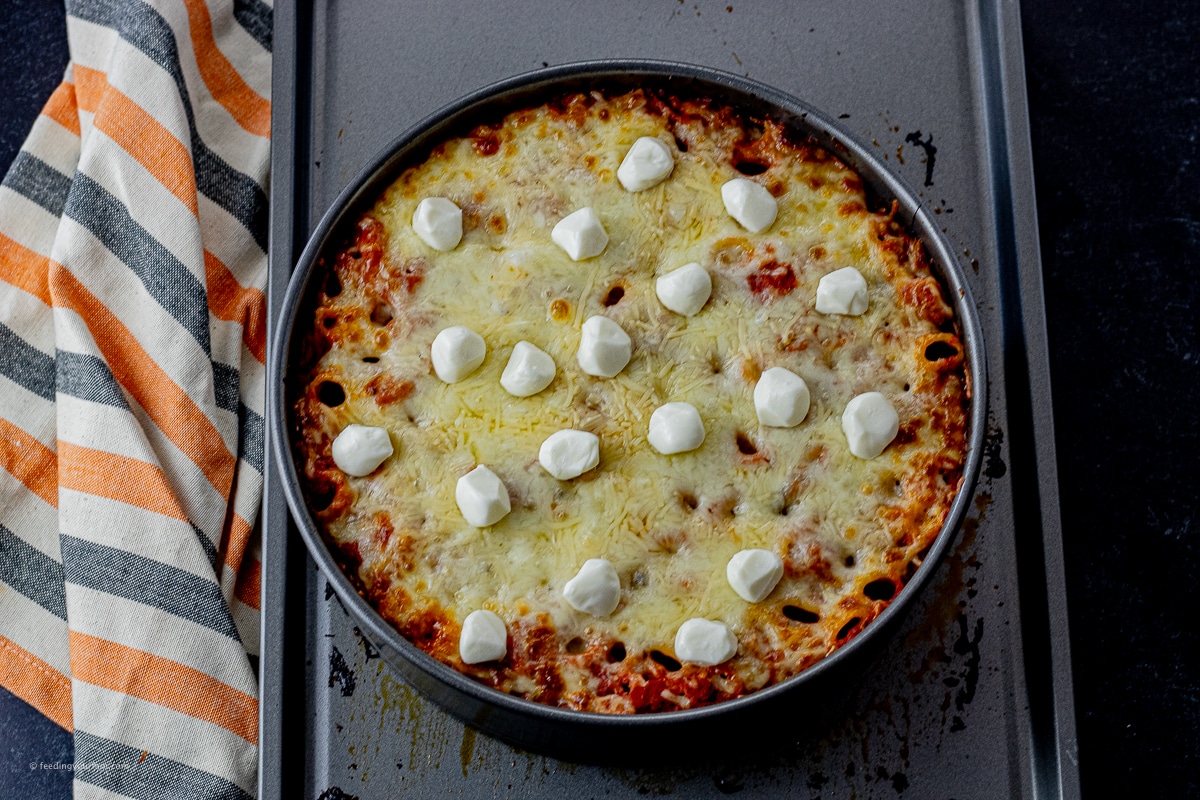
x,y
845,528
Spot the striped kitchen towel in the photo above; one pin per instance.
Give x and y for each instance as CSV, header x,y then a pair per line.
x,y
133,237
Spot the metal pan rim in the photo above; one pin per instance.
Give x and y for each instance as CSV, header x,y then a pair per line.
x,y
382,169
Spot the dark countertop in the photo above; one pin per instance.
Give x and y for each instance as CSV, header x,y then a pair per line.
x,y
1115,104
1115,108
33,55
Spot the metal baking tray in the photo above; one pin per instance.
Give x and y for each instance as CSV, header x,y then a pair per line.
x,y
973,696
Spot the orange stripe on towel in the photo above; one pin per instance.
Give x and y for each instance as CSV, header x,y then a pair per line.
x,y
62,109
230,301
24,269
36,682
248,108
164,682
29,461
89,87
249,583
117,477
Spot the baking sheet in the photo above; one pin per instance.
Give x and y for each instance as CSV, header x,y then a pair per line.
x,y
973,696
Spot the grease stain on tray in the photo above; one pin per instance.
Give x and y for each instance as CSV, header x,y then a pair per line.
x,y
968,646
336,793
927,145
369,650
993,441
340,672
467,751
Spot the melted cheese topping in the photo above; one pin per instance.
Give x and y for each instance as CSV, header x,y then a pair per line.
x,y
849,530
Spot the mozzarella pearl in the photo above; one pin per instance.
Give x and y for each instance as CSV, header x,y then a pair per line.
x,y
483,638
685,290
438,222
750,204
676,428
595,589
705,642
842,291
781,398
528,371
754,574
359,449
569,453
648,163
456,353
604,347
580,234
482,497
870,424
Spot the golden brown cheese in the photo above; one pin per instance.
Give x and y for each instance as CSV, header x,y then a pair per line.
x,y
850,531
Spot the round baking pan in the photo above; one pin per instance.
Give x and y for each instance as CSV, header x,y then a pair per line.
x,y
586,735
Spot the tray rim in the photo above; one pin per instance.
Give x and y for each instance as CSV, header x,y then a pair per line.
x,y
293,60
